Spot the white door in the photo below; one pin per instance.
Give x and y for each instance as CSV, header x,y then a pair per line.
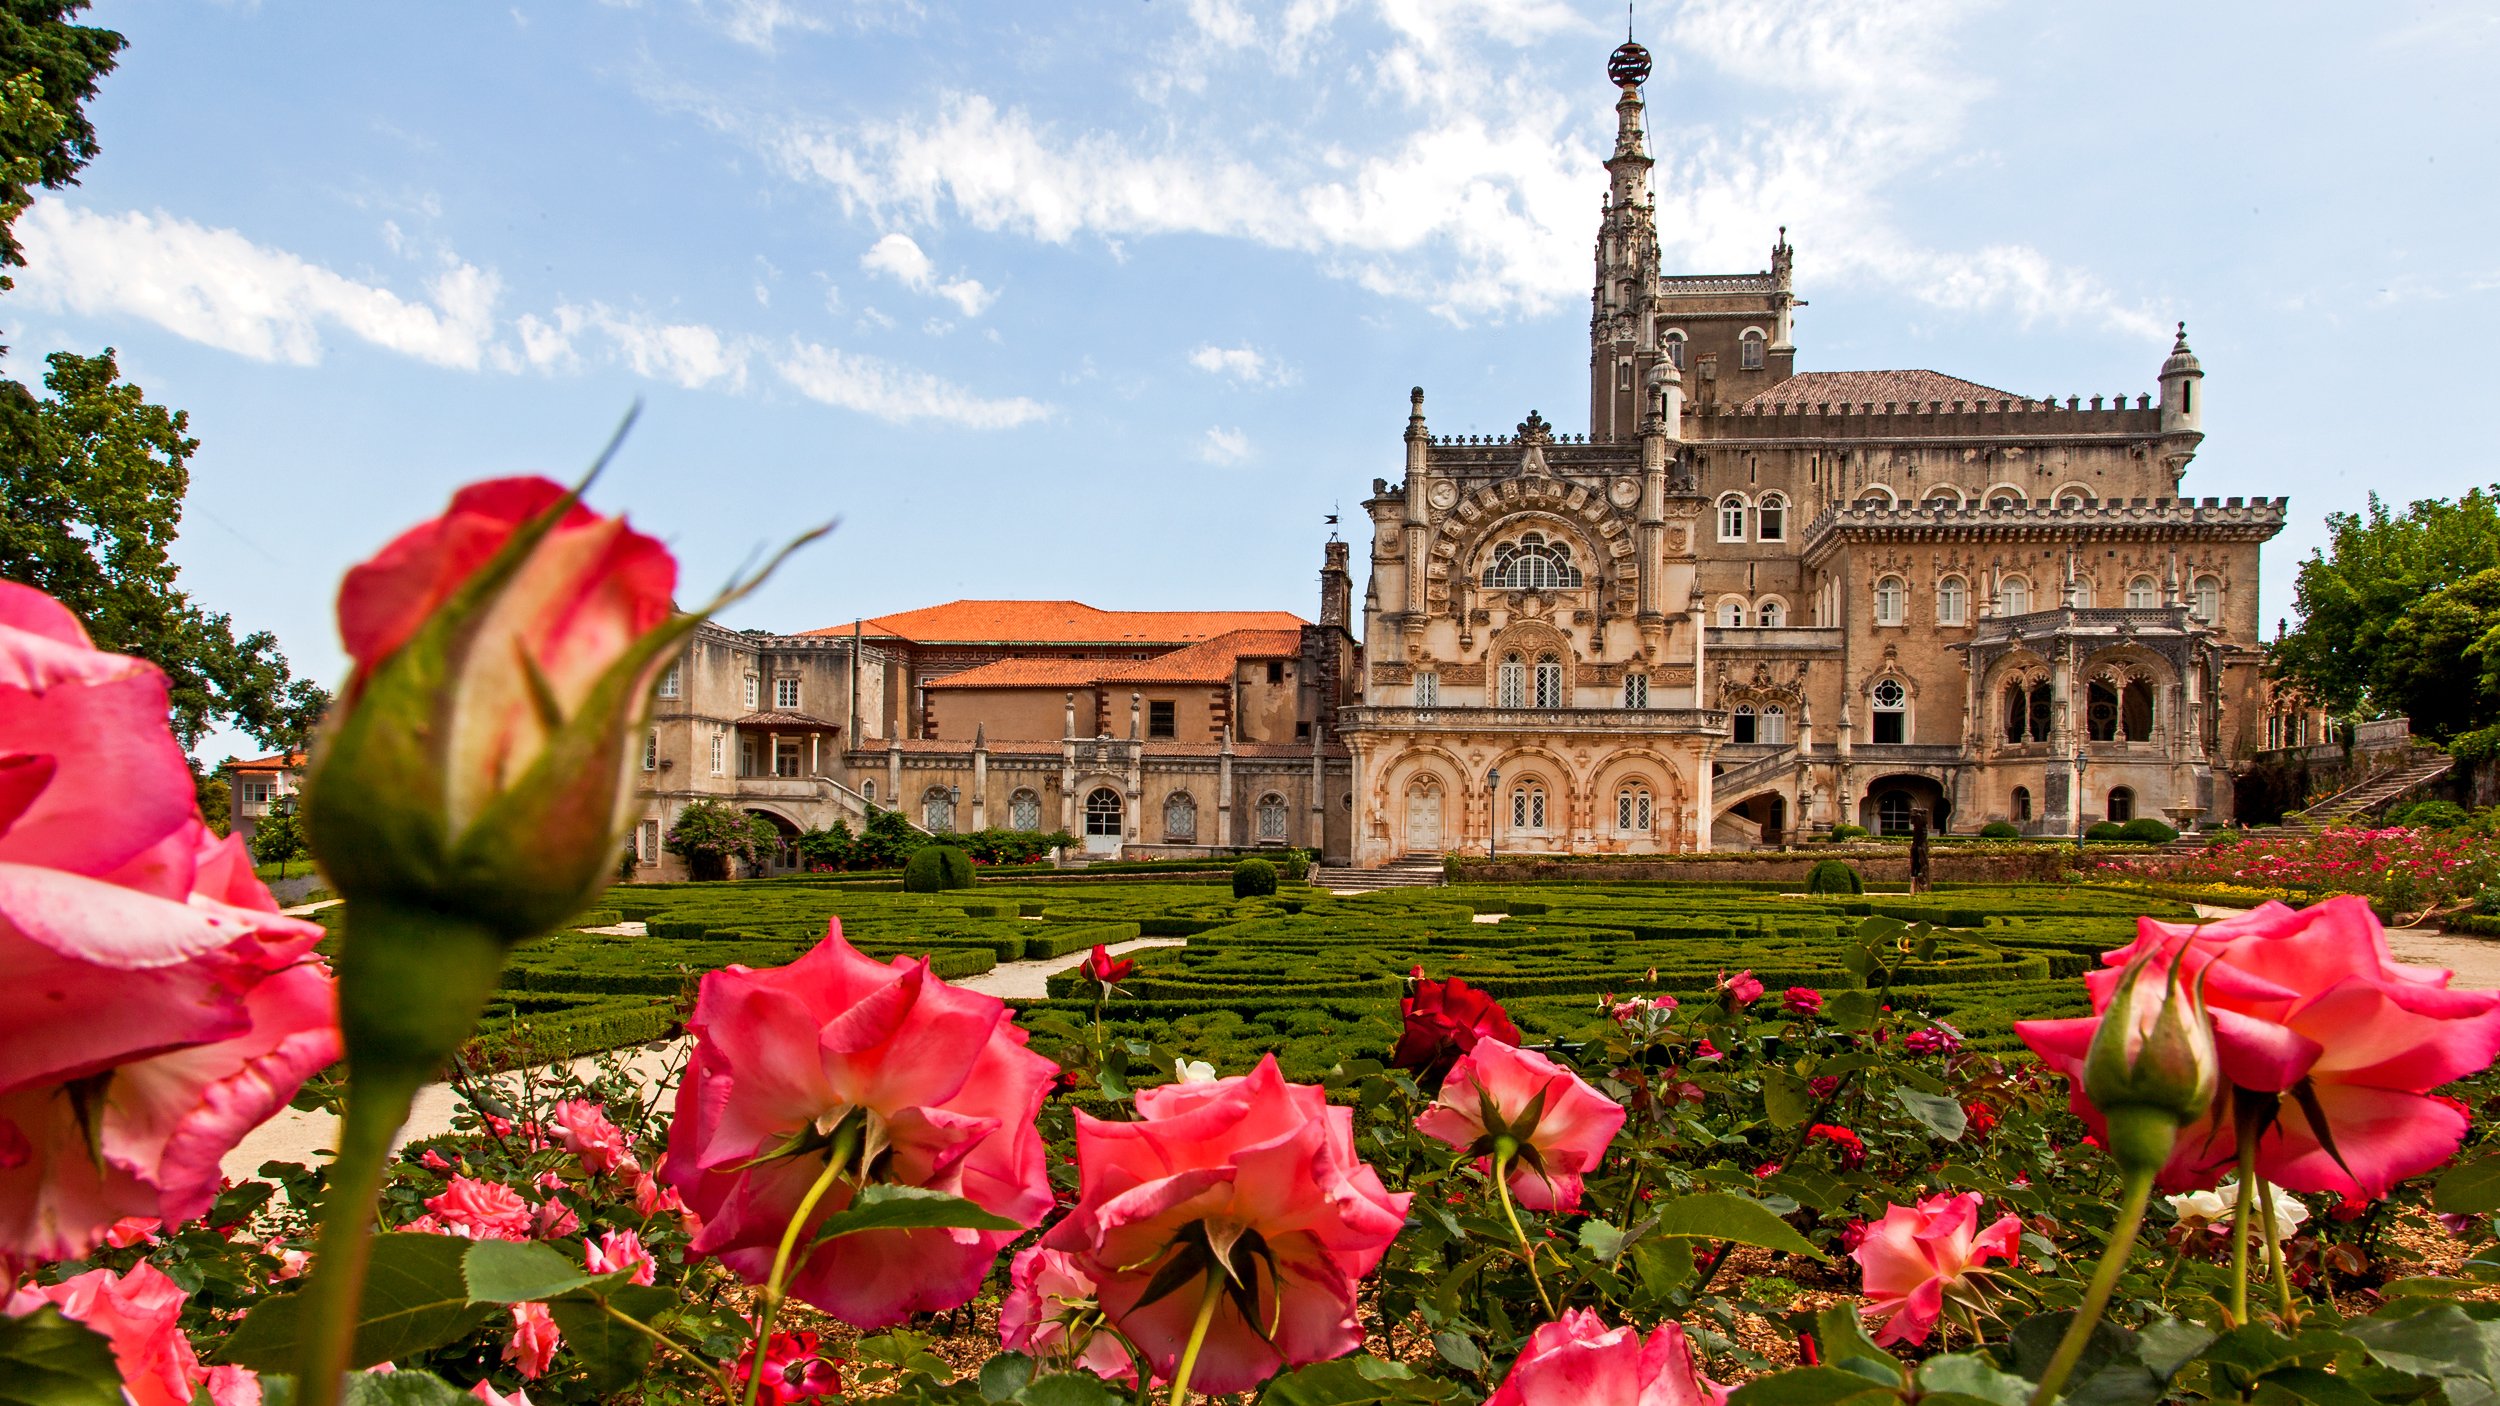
x,y
1104,813
1423,820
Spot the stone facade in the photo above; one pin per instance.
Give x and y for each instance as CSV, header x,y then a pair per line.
x,y
1751,603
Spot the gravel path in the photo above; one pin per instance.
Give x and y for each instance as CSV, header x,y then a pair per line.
x,y
298,1136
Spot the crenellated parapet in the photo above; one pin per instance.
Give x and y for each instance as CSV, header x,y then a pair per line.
x,y
2043,520
1876,420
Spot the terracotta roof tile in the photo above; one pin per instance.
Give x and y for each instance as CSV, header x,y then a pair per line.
x,y
278,761
1876,387
1028,673
1062,622
795,721
1209,662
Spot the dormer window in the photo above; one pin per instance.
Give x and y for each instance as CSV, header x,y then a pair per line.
x,y
1532,564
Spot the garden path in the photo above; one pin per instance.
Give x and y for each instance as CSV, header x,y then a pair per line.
x,y
299,1136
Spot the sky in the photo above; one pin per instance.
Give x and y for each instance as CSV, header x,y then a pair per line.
x,y
1115,301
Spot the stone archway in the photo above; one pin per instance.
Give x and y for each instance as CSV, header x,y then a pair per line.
x,y
784,856
1426,801
1892,799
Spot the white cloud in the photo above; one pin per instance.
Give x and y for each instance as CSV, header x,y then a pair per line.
x,y
873,386
1223,446
688,353
217,287
900,258
1244,363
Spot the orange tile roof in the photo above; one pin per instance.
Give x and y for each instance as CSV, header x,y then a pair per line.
x,y
1209,662
1028,673
281,761
1062,622
1876,387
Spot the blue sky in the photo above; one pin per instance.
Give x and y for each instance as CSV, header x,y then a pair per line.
x,y
1115,300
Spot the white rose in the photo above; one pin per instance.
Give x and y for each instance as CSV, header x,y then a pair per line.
x,y
1193,1071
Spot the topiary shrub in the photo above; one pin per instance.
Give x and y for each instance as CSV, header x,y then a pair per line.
x,y
2145,830
2000,830
1833,876
1848,832
1254,878
2430,815
2223,838
937,868
2108,832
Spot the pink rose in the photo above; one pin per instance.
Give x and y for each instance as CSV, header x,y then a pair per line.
x,y
140,1314
1916,1257
2320,1032
434,1161
482,1210
1579,1361
796,1368
157,1006
291,1263
534,1340
1249,1183
1049,1298
232,1386
1490,1094
553,1221
616,1250
492,1397
584,1129
132,1230
936,1079
1742,989
1443,1020
1802,1001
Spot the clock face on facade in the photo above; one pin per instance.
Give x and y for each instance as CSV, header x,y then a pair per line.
x,y
1443,494
1624,492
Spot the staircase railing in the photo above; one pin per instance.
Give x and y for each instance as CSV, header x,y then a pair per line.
x,y
2375,790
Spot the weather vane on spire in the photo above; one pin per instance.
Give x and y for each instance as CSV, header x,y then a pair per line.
x,y
1628,66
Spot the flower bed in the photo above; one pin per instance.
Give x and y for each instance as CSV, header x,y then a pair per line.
x,y
2398,870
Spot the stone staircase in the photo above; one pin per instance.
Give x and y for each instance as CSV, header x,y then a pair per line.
x,y
2420,769
1735,783
1414,871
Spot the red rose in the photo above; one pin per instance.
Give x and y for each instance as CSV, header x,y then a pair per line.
x,y
1107,969
1445,1019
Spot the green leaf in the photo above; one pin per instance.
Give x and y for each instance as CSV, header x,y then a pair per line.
x,y
1602,1240
2470,1190
1853,1009
613,1355
505,1272
1966,1375
1358,1381
1005,1375
416,1299
1936,1113
1070,1389
1458,1350
2442,1342
48,1360
1785,1098
2310,1385
886,1206
1812,1386
1842,1334
1719,1215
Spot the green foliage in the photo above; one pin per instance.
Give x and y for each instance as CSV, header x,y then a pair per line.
x,y
937,868
2223,838
2000,830
49,1360
2105,832
216,800
2430,815
1254,878
2145,830
2487,901
45,137
2398,614
708,834
278,836
1834,876
1848,832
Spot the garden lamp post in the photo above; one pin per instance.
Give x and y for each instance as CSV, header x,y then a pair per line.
x,y
954,798
1492,807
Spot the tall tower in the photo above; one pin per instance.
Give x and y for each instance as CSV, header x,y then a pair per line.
x,y
1622,306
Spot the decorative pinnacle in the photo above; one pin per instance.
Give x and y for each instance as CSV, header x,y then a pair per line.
x,y
2181,344
1628,66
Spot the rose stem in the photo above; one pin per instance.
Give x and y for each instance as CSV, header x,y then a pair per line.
x,y
2139,1189
2239,1223
2282,1275
768,1303
1503,1150
1207,1300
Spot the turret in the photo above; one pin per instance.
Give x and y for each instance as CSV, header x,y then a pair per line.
x,y
1336,585
1621,303
2182,407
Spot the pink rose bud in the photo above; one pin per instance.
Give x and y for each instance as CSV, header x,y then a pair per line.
x,y
2151,1068
1579,1361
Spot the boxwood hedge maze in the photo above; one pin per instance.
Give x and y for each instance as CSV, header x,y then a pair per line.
x,y
1313,977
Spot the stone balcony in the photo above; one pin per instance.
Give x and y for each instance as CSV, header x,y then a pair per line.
x,y
1707,722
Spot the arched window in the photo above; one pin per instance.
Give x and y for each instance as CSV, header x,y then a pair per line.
x,y
1770,615
1532,564
2022,803
1549,681
2013,595
1944,495
1271,817
1512,682
2015,710
1875,495
2142,594
1732,518
1527,806
2083,592
1774,724
2101,712
1892,813
1102,812
1731,615
650,752
2121,805
1632,809
1770,518
937,811
1024,811
2135,710
1180,818
2040,711
1741,723
2073,496
1892,711
1891,598
1952,601
1674,347
2005,498
1636,690
1749,350
868,790
2207,599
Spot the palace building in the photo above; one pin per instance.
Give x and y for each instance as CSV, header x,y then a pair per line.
x,y
1753,602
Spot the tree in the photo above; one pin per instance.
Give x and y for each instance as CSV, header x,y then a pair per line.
x,y
708,834
278,836
91,486
53,67
216,799
2396,615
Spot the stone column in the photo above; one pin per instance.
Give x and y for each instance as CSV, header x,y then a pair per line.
x,y
1224,834
980,777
